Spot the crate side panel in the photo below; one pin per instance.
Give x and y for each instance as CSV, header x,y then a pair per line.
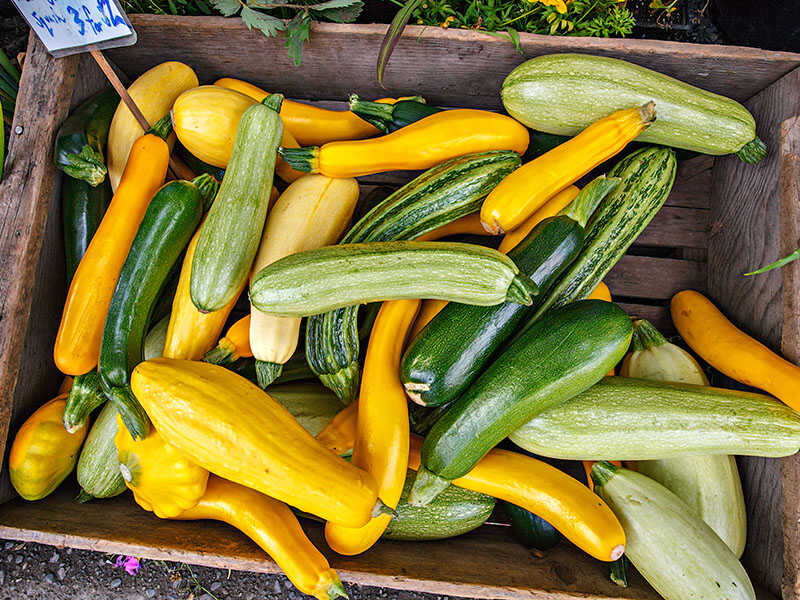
x,y
745,234
25,196
489,565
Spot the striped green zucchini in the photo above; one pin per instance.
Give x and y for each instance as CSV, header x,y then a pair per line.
x,y
673,549
317,281
565,93
647,177
85,395
454,512
615,420
98,468
230,235
440,195
165,231
81,140
82,209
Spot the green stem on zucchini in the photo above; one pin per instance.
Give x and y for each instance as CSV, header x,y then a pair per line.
x,y
376,113
344,382
522,290
88,165
427,486
753,151
602,472
130,411
336,590
782,262
85,395
273,101
162,128
619,571
645,336
208,186
304,159
223,354
267,372
588,199
83,496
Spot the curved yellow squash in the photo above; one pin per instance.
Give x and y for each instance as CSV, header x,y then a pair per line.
x,y
43,453
206,118
154,92
234,429
161,478
273,526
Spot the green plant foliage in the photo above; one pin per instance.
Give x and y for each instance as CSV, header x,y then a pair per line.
x,y
595,18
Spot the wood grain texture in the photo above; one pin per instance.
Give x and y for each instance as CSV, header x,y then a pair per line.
x,y
654,278
461,68
489,565
745,234
789,193
25,195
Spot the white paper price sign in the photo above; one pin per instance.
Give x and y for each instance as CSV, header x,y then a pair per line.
x,y
72,26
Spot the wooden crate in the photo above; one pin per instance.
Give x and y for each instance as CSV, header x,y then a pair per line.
x,y
722,219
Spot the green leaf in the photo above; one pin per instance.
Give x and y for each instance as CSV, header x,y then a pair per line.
x,y
778,263
393,34
296,33
267,24
228,8
340,11
2,142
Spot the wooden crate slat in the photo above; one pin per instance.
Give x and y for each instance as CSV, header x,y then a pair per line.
x,y
489,565
462,68
745,234
657,315
676,227
26,191
654,278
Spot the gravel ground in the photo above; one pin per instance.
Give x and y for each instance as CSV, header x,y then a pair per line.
x,y
36,571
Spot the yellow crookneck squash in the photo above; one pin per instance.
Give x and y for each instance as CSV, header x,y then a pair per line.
x,y
162,479
43,452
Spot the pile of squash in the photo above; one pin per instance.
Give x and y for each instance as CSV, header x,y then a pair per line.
x,y
513,338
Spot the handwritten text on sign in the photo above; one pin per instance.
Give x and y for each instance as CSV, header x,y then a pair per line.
x,y
62,24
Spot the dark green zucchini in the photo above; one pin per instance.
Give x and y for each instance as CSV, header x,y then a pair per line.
x,y
440,195
391,117
198,166
563,354
454,512
530,530
83,207
85,395
171,219
455,347
81,140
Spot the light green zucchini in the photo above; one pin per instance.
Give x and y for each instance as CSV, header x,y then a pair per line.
x,y
564,93
673,549
321,280
98,467
635,419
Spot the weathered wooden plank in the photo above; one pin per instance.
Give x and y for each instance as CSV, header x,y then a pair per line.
x,y
489,565
654,278
25,195
461,68
746,233
789,192
676,227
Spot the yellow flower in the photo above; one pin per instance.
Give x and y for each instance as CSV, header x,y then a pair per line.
x,y
561,5
447,21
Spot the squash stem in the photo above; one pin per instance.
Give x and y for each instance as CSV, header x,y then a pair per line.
x,y
588,199
162,128
619,571
223,354
344,382
304,159
273,101
267,372
208,186
83,496
383,509
427,486
87,165
84,396
378,114
335,589
522,290
753,151
645,336
602,472
130,411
